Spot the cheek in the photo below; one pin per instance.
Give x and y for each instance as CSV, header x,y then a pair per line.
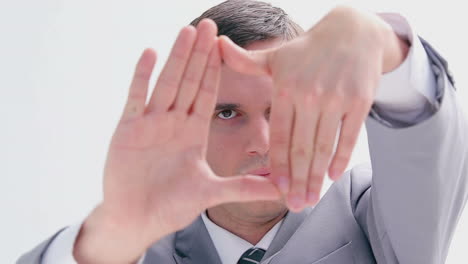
x,y
224,152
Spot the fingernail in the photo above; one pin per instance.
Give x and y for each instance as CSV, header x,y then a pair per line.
x,y
297,201
283,184
333,175
312,198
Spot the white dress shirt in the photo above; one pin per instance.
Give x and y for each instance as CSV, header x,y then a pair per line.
x,y
231,247
403,94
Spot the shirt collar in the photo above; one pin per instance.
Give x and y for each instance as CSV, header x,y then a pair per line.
x,y
229,246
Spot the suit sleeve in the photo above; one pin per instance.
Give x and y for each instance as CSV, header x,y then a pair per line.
x,y
57,249
35,256
419,178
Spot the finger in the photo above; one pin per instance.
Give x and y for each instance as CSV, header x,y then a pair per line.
x,y
242,188
243,61
206,97
138,91
171,75
281,122
206,36
324,143
302,147
349,133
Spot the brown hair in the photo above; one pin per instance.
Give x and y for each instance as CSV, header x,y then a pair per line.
x,y
247,21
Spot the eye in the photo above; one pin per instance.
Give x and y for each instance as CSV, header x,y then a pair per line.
x,y
227,114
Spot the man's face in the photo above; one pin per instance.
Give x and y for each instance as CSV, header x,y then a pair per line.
x,y
239,134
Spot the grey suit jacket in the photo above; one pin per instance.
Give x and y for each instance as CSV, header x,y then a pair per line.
x,y
402,208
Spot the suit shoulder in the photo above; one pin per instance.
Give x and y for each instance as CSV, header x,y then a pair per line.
x,y
355,183
356,180
35,255
361,183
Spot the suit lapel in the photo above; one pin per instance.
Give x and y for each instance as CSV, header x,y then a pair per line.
x,y
289,226
193,245
320,233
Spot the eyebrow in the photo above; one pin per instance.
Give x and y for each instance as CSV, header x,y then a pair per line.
x,y
227,106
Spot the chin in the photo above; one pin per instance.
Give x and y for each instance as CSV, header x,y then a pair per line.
x,y
261,210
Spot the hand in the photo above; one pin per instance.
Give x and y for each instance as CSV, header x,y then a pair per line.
x,y
156,178
324,81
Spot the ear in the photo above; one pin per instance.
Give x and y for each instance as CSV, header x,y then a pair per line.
x,y
244,61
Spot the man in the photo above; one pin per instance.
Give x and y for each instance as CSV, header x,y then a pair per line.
x,y
173,158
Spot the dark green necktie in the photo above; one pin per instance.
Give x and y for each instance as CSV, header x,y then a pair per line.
x,y
251,256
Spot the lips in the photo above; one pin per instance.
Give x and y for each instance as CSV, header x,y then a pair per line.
x,y
261,172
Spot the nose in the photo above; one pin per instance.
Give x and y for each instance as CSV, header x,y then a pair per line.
x,y
258,142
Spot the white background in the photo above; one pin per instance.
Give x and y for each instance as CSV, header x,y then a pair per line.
x,y
65,67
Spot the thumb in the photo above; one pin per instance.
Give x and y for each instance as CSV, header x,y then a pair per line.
x,y
243,188
244,61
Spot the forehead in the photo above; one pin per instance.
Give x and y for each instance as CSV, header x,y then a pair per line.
x,y
241,88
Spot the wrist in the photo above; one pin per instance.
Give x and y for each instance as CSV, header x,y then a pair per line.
x,y
395,48
378,34
102,239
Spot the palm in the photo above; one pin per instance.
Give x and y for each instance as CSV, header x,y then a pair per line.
x,y
149,148
156,171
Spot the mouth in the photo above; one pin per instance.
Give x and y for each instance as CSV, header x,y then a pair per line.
x,y
264,172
